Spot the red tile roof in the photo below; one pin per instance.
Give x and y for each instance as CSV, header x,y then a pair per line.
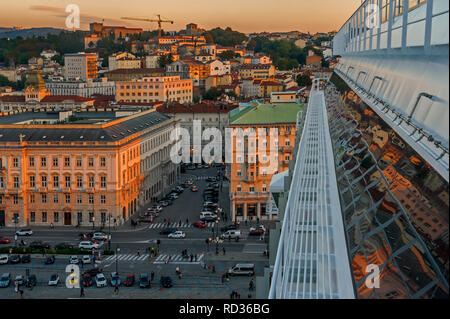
x,y
62,98
12,98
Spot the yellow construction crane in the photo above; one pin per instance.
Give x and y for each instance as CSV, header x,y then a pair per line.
x,y
159,21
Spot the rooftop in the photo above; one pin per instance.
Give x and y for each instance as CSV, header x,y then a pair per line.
x,y
268,114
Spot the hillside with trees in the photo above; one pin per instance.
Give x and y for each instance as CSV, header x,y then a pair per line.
x,y
226,37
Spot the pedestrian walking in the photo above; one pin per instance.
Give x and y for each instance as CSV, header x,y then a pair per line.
x,y
179,223
251,285
139,252
223,278
217,250
21,293
192,257
229,238
82,291
187,221
195,257
224,251
152,276
116,289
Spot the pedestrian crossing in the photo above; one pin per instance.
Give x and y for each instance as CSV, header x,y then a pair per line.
x,y
177,259
127,257
178,225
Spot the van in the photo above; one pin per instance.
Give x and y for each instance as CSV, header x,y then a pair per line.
x,y
242,270
232,233
3,259
207,214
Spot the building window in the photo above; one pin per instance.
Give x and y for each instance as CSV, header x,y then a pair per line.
x,y
15,162
80,217
67,198
66,161
239,173
32,200
56,181
16,182
43,161
68,181
102,161
103,181
79,199
91,217
103,217
2,183
44,217
44,198
264,188
56,217
252,189
55,161
103,199
91,199
44,181
239,188
79,181
91,162
31,161
32,217
56,199
91,182
79,161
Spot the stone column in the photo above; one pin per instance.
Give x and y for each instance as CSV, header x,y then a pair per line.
x,y
258,210
245,211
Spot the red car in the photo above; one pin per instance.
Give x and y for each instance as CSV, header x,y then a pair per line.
x,y
194,189
4,240
129,281
87,280
199,224
256,232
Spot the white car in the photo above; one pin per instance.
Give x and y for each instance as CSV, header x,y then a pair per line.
x,y
74,260
100,236
24,232
4,259
177,234
173,196
100,280
86,259
88,245
54,280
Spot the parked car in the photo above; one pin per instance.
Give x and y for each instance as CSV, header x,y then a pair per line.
x,y
31,281
157,208
173,196
86,280
54,280
199,224
74,260
50,260
191,167
39,245
88,245
14,259
211,179
163,203
115,279
100,280
4,240
5,280
178,235
257,231
19,281
167,231
144,282
86,259
26,259
4,259
100,236
129,281
166,282
93,271
63,246
24,232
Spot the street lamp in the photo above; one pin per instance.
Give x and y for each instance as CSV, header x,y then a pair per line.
x,y
109,226
117,261
15,220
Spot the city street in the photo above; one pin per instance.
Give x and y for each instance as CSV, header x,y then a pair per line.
x,y
133,246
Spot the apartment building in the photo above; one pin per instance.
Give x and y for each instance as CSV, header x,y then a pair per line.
x,y
249,177
123,60
93,170
256,71
81,88
155,89
80,65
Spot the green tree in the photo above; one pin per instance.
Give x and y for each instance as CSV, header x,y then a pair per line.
x,y
4,81
304,80
212,94
164,60
226,37
227,55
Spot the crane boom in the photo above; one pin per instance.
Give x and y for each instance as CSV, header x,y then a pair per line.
x,y
159,21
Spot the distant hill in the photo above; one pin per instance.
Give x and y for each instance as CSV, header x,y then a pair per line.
x,y
27,33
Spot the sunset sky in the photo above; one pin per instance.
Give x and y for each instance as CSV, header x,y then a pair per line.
x,y
242,15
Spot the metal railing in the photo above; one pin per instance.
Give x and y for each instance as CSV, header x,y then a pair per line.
x,y
394,24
